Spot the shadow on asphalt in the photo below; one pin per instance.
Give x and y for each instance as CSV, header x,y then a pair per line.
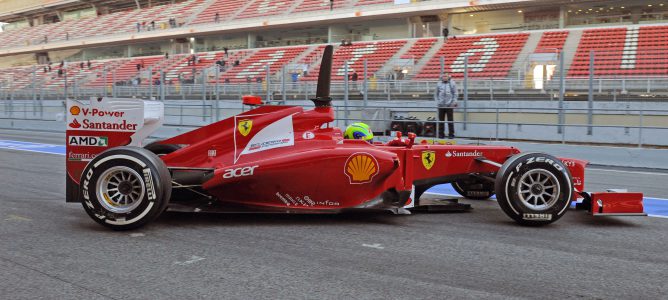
x,y
244,219
583,218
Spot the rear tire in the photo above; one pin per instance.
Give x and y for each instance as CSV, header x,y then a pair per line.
x,y
534,188
125,188
474,189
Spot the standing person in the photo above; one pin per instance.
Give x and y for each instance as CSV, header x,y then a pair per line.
x,y
331,5
138,27
216,18
354,78
225,49
81,65
166,55
445,96
88,63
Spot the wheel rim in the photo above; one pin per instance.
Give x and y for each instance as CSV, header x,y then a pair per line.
x,y
120,189
539,189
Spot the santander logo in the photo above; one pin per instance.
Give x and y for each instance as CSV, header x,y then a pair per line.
x,y
454,153
75,124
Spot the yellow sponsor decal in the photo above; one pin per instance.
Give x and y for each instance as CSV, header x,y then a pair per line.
x,y
361,168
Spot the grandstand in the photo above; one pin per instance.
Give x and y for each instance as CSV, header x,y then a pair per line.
x,y
403,42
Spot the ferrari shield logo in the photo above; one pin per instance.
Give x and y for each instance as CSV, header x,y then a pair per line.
x,y
245,126
428,159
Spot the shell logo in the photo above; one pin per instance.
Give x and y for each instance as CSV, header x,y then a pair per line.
x,y
75,110
361,167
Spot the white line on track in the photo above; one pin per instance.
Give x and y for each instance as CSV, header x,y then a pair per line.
x,y
631,172
36,151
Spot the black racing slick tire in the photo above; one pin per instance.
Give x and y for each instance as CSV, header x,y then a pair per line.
x,y
475,189
534,188
125,187
161,149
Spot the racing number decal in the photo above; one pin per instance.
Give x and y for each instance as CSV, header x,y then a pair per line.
x,y
428,159
245,126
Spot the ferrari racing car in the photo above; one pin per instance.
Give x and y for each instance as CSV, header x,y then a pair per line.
x,y
287,159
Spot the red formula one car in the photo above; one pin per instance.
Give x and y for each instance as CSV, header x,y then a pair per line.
x,y
286,159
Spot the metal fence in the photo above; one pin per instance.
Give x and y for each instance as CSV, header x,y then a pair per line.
x,y
563,94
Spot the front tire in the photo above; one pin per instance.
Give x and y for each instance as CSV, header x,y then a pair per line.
x,y
125,188
534,188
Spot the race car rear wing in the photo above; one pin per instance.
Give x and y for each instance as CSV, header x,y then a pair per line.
x,y
102,123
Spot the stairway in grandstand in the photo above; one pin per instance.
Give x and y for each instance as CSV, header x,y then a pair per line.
x,y
426,54
522,62
399,60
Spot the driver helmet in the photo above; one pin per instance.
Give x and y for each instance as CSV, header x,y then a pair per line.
x,y
358,131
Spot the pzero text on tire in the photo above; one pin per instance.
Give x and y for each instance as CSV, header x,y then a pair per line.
x,y
125,187
473,188
534,188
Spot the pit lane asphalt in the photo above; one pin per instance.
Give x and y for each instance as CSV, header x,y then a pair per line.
x,y
51,249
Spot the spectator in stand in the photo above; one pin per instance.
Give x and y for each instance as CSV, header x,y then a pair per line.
x,y
249,79
138,66
81,65
225,49
138,27
142,64
445,32
46,70
49,66
295,78
60,72
217,18
156,81
445,96
62,64
331,5
152,25
88,63
354,78
166,55
236,63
